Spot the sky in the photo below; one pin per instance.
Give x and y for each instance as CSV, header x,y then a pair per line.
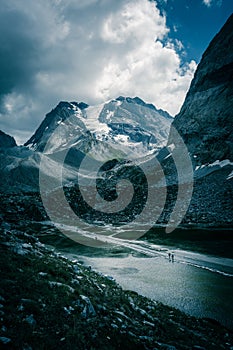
x,y
97,50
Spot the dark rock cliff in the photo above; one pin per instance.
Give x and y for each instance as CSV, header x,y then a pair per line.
x,y
6,141
206,118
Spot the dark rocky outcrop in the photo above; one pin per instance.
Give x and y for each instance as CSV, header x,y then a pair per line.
x,y
6,141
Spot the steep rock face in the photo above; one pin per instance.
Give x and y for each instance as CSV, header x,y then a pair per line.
x,y
205,120
6,141
205,124
52,119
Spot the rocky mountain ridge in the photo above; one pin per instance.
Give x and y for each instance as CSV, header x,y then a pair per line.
x,y
205,120
116,129
128,123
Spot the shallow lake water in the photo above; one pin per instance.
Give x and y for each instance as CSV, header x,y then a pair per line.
x,y
198,284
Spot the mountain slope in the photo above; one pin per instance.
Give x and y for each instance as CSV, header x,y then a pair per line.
x,y
57,116
205,119
205,124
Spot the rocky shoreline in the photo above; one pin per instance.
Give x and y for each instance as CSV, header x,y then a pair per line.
x,y
48,302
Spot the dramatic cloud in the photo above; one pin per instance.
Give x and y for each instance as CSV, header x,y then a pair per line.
x,y
90,50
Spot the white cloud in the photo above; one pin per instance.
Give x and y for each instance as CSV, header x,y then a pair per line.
x,y
207,2
135,20
148,68
88,50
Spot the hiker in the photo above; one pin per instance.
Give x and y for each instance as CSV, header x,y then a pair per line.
x,y
172,257
169,256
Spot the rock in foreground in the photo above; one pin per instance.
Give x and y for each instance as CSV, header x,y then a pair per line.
x,y
48,302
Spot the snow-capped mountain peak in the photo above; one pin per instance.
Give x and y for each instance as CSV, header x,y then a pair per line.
x,y
59,115
125,123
